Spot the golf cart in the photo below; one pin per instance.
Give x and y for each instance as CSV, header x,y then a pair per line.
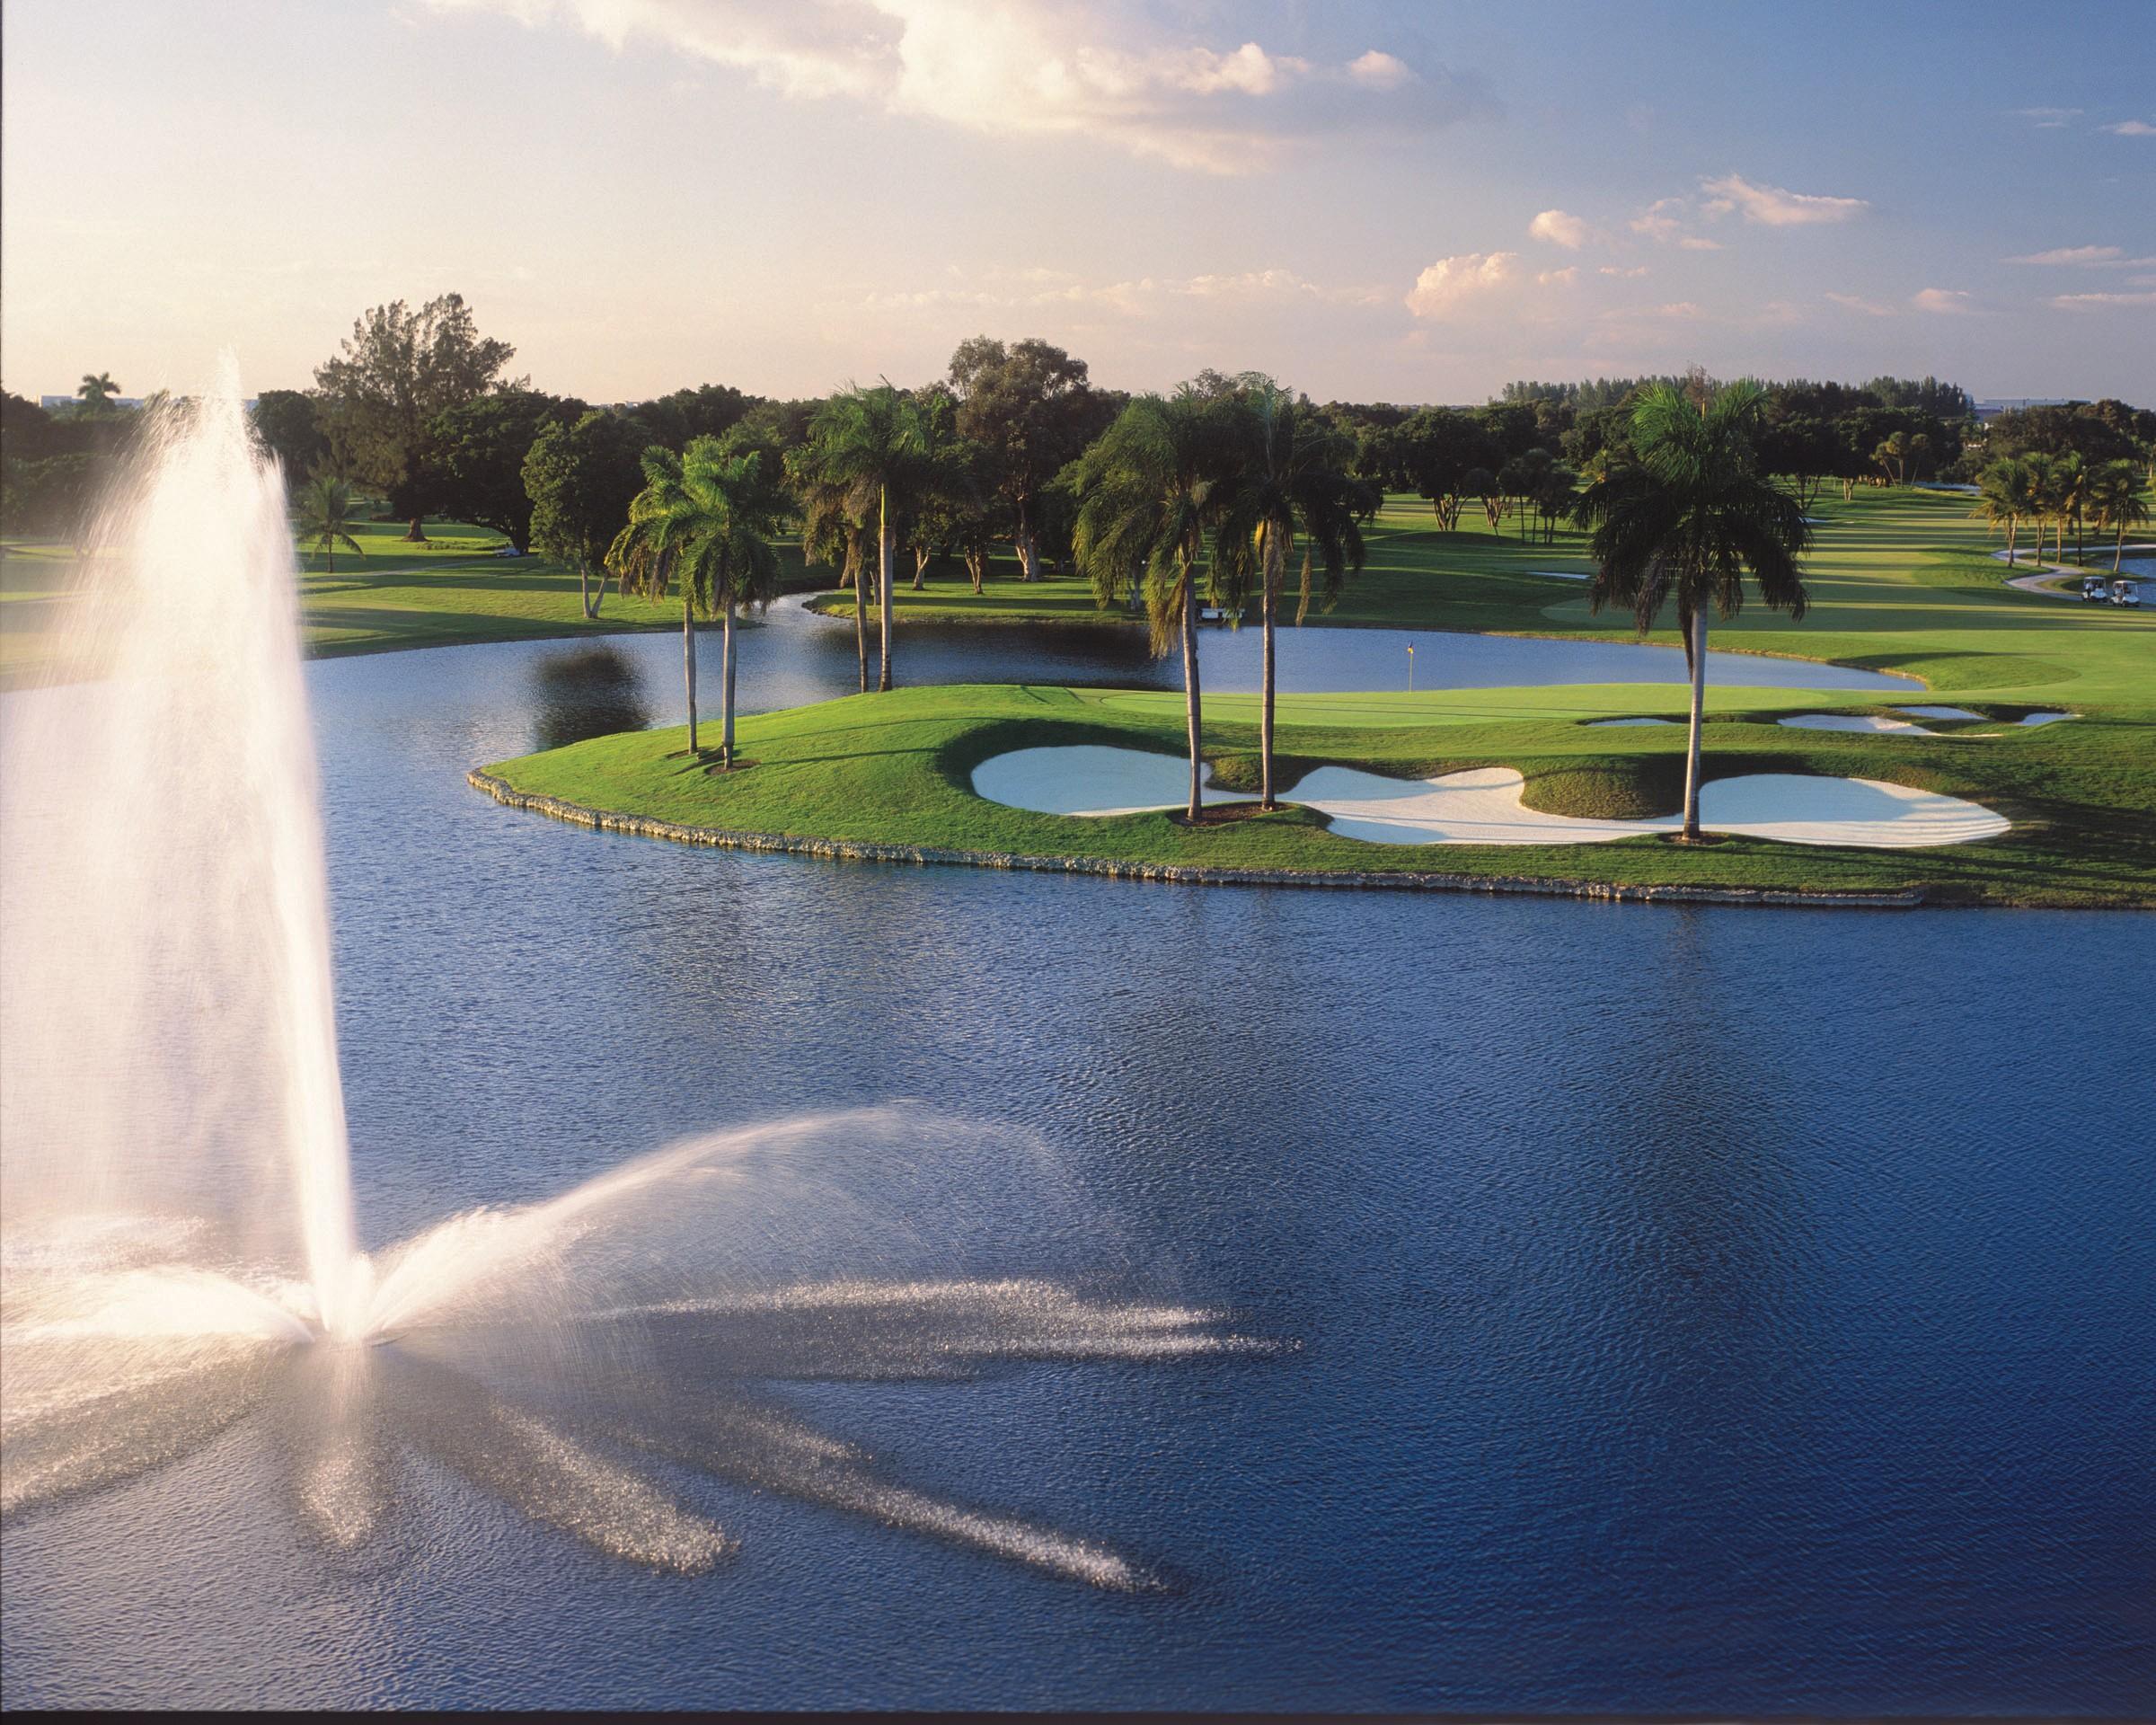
x,y
2125,591
2095,590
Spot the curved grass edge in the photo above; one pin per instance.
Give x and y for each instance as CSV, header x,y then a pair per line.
x,y
1200,874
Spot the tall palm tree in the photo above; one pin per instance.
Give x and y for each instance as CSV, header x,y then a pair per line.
x,y
2044,494
1290,478
1146,494
830,535
872,442
2114,500
2071,477
2006,496
96,389
1688,523
325,519
700,524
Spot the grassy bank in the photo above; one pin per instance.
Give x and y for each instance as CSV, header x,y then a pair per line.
x,y
896,770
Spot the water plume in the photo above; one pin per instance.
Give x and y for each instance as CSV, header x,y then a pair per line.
x,y
178,1248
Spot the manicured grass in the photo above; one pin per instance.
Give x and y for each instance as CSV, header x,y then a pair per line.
x,y
451,590
896,769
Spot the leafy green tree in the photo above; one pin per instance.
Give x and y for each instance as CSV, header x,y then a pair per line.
x,y
1433,454
873,443
290,429
708,411
325,517
1290,482
579,480
2116,503
700,524
394,374
1145,491
1687,523
57,495
96,391
479,450
1029,405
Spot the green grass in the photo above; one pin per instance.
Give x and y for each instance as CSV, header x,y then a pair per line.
x,y
451,590
1902,580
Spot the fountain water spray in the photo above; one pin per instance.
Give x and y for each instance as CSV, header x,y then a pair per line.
x,y
177,1238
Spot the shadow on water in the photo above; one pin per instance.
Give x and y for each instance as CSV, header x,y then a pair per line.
x,y
590,692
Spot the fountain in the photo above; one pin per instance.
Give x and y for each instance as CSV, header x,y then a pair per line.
x,y
178,1246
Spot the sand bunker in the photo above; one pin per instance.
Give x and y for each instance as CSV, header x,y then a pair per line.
x,y
1942,713
1482,806
1851,721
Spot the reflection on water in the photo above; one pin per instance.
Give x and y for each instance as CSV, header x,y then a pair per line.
x,y
586,692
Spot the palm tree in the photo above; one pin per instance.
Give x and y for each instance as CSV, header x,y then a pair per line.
x,y
2006,495
2072,478
2044,494
2115,500
700,524
872,443
830,535
326,519
96,389
1688,522
1290,478
1144,490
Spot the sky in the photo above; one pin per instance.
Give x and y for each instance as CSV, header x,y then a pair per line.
x,y
1408,202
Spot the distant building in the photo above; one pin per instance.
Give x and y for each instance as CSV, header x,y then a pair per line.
x,y
1988,410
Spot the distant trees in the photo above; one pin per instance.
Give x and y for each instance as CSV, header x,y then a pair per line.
x,y
477,454
1687,523
324,517
290,429
96,391
1030,408
579,482
707,411
393,376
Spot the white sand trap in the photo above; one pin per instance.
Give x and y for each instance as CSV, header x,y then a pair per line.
x,y
1611,724
1941,712
1851,721
1091,779
1482,806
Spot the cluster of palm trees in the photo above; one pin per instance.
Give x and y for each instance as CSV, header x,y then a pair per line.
x,y
2053,491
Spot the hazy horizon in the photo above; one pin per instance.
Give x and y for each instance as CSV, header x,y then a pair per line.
x,y
645,194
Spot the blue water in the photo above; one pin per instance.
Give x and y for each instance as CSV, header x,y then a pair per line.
x,y
1702,1311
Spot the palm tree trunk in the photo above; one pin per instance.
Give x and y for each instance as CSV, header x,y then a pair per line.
x,y
726,688
584,588
884,596
2119,550
2012,524
688,661
860,619
1265,715
1698,716
1190,690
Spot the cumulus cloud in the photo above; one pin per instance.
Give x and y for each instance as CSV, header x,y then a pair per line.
x,y
1559,229
2098,302
2133,128
1774,207
1661,220
1033,68
1940,299
1621,272
1857,303
1450,283
1563,278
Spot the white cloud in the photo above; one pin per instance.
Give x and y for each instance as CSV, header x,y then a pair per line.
x,y
1660,221
1032,68
1621,273
1453,282
1698,242
2133,128
2048,119
2072,254
1950,300
1377,70
2098,302
1563,278
1857,303
1774,207
1559,229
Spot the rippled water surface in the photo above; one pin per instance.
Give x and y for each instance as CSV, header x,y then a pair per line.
x,y
1697,1310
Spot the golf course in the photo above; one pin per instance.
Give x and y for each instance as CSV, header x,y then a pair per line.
x,y
1901,581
